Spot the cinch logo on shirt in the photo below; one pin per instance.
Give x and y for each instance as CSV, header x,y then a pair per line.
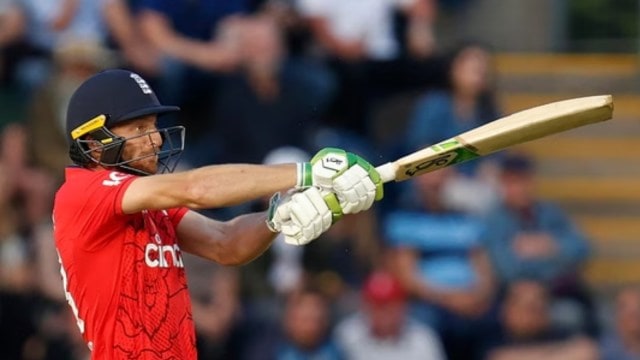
x,y
155,255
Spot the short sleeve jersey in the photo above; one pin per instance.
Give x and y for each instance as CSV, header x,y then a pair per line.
x,y
123,274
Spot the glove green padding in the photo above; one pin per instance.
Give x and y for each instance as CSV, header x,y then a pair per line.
x,y
334,205
273,205
305,176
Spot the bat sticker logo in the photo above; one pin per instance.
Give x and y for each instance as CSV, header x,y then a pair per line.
x,y
432,164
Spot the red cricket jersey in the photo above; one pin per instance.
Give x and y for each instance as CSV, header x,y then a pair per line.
x,y
123,274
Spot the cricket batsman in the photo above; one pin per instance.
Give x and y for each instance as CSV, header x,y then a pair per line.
x,y
122,219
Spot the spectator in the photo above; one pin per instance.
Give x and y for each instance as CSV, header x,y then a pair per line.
x,y
528,237
353,31
12,25
271,99
382,328
340,264
466,103
11,30
30,188
126,35
57,336
46,26
185,34
296,33
19,305
623,341
439,258
359,40
216,312
305,331
14,252
74,62
186,31
526,332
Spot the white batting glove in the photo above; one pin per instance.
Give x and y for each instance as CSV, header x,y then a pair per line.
x,y
355,181
304,215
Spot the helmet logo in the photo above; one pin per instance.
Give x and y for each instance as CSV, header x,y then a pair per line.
x,y
146,89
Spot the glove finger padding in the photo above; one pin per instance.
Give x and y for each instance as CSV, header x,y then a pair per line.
x,y
309,216
372,173
355,190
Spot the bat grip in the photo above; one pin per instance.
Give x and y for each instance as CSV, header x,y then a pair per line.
x,y
387,172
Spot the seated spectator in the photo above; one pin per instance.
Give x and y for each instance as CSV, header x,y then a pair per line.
x,y
353,31
30,188
74,62
12,32
47,26
14,251
271,98
12,25
528,237
184,35
525,329
439,258
186,31
340,262
382,328
216,310
622,342
466,103
126,36
359,39
304,333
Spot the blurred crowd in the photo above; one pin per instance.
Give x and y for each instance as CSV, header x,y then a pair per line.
x,y
462,263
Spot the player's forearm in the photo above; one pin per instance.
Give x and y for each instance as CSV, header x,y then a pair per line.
x,y
230,243
208,187
247,238
228,185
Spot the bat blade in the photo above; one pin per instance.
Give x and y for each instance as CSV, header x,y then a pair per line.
x,y
517,128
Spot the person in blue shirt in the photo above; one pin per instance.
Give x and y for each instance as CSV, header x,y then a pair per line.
x,y
304,332
193,53
438,256
465,103
532,238
622,340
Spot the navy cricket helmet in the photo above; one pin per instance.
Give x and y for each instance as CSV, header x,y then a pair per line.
x,y
106,99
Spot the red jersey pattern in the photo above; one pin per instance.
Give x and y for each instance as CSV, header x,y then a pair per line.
x,y
123,274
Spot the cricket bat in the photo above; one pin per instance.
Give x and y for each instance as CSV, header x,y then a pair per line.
x,y
520,127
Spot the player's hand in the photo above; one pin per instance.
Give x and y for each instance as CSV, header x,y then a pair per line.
x,y
304,215
354,180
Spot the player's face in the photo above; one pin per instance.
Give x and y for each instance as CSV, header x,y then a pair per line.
x,y
143,142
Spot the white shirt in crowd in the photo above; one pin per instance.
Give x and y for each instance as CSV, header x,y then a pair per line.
x,y
416,342
351,20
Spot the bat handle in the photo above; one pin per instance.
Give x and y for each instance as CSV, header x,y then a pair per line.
x,y
387,171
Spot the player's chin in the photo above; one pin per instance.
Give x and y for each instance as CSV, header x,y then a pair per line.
x,y
148,165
